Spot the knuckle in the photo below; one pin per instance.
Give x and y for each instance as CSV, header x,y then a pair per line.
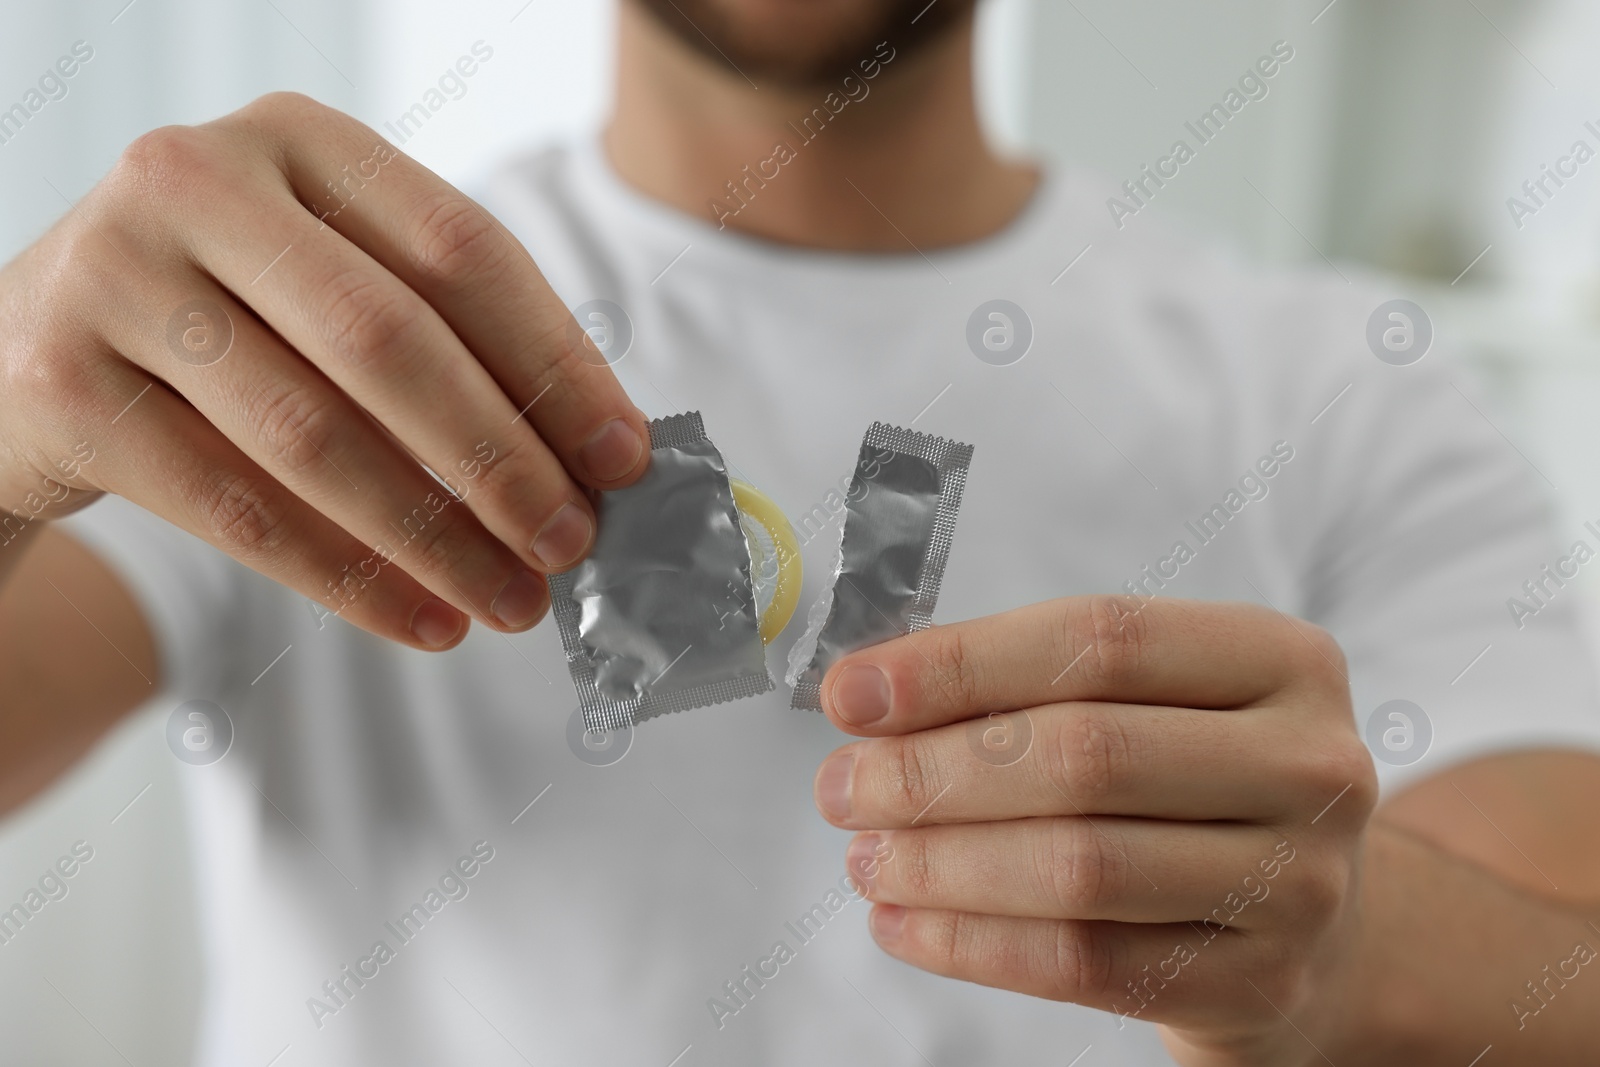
x,y
1351,764
911,783
456,244
83,269
515,482
368,328
297,429
565,386
27,380
436,544
1323,659
244,516
1081,962
168,159
48,378
563,372
1120,637
563,362
1321,891
276,119
1080,873
947,938
1364,775
283,104
915,867
972,945
1338,780
954,670
1094,757
75,393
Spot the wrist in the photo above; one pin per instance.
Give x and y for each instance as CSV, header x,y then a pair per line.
x,y
1392,1007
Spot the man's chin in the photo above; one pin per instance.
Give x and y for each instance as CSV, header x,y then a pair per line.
x,y
795,44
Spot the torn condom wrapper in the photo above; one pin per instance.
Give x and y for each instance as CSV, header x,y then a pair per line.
x,y
900,515
661,615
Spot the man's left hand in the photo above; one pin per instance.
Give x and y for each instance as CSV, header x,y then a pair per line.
x,y
1155,810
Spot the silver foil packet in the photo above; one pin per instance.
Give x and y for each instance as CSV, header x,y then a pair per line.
x,y
661,616
900,515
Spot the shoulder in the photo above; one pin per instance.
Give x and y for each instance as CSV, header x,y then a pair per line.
x,y
525,179
1287,333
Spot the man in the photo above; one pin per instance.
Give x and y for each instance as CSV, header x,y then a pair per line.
x,y
1136,826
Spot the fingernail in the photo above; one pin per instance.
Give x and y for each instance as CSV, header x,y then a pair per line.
x,y
564,538
833,786
888,920
613,451
861,695
520,601
436,623
861,858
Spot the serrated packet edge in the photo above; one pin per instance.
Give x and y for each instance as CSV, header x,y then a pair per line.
x,y
951,459
600,712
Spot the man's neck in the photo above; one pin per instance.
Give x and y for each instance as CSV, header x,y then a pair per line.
x,y
894,163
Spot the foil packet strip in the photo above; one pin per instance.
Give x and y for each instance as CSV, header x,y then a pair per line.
x,y
661,616
899,520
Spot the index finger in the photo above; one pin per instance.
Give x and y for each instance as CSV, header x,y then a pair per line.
x,y
1104,648
481,282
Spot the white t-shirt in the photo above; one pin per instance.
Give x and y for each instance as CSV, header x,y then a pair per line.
x,y
617,906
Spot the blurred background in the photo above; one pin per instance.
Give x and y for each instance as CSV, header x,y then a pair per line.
x,y
1394,141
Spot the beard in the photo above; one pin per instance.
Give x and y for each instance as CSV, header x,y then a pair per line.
x,y
804,43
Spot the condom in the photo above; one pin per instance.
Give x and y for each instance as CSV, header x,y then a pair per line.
x,y
664,614
775,571
900,516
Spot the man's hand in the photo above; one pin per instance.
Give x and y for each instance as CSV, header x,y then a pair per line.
x,y
263,328
1155,813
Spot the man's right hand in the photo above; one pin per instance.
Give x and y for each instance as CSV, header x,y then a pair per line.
x,y
261,328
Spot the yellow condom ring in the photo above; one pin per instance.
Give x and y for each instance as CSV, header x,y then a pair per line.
x,y
774,556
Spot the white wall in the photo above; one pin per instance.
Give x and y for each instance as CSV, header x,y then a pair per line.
x,y
1392,140
550,74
